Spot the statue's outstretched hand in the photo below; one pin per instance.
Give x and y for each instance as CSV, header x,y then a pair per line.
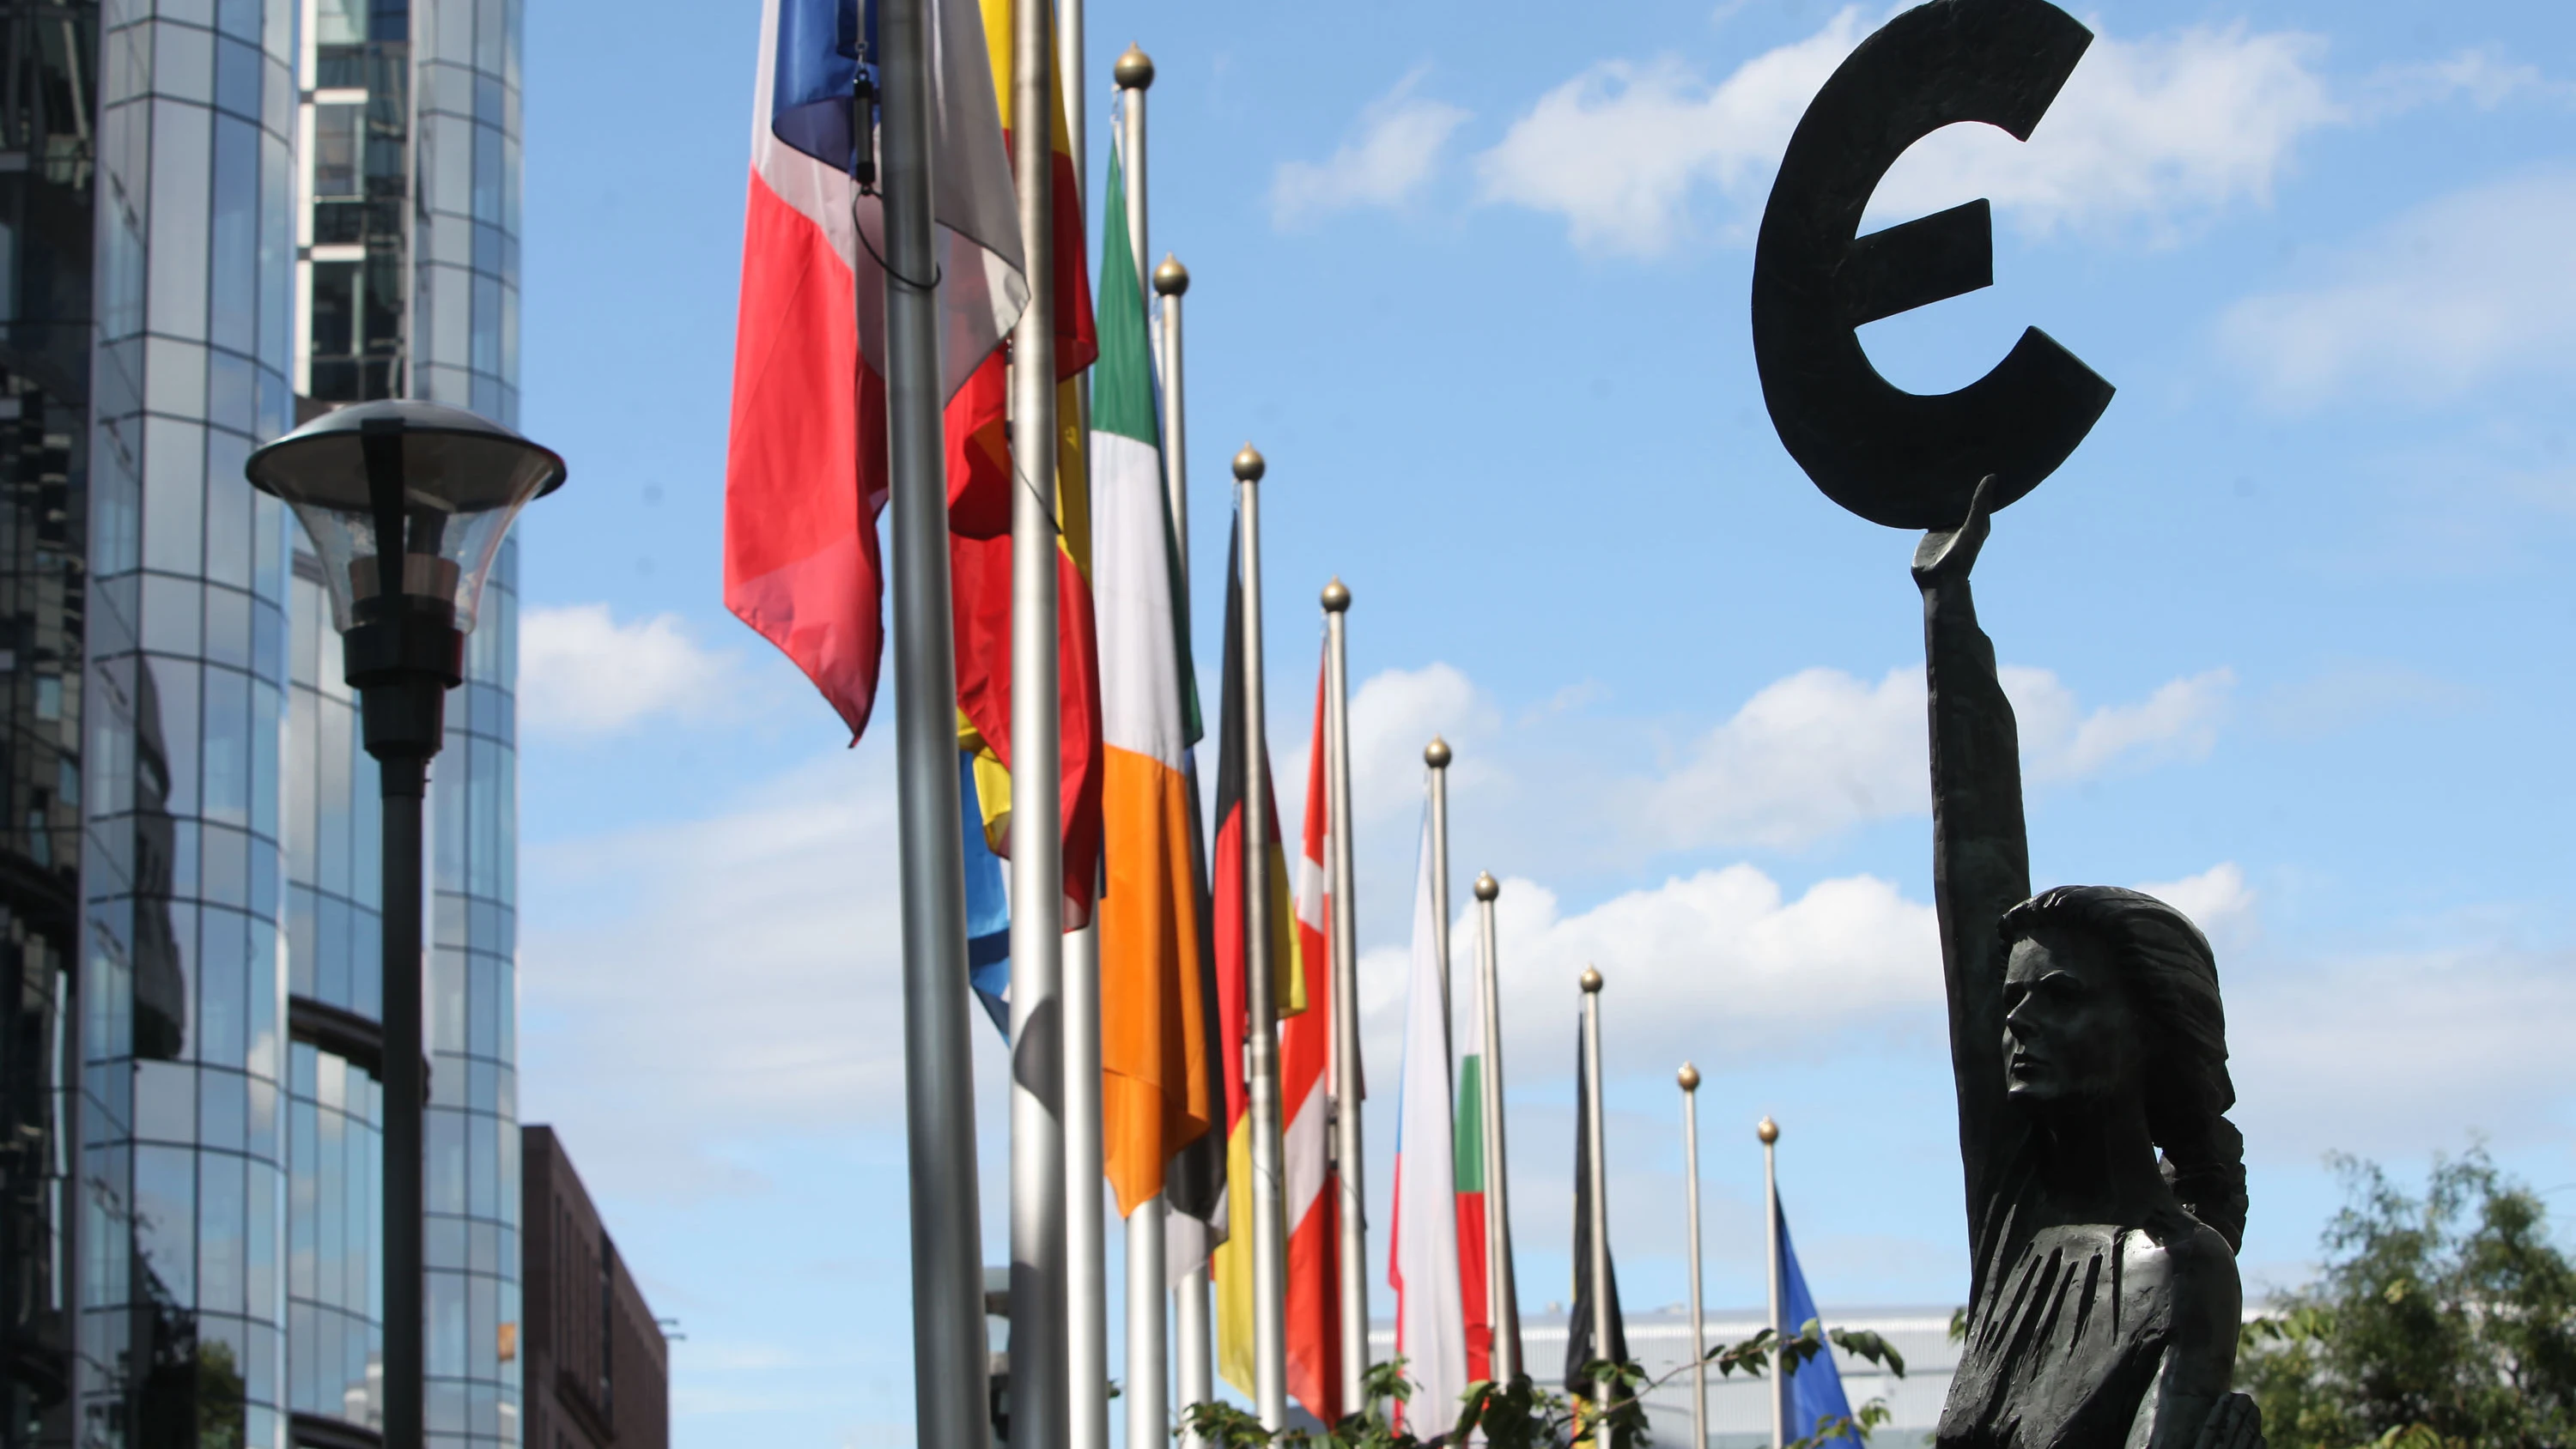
x,y
1948,553
2235,1423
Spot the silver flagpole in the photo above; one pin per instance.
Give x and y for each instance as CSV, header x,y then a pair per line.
x,y
1769,1132
1195,1376
1086,1317
1348,1080
949,1363
1146,1393
1196,1380
1502,1305
1135,75
1261,1045
1436,755
1689,1078
1171,281
1038,1402
1599,1179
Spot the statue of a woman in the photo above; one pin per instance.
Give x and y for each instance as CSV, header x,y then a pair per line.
x,y
2087,1039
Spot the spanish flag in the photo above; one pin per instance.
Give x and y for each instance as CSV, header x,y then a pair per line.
x,y
979,533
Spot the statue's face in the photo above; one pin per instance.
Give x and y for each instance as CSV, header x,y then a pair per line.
x,y
2067,1029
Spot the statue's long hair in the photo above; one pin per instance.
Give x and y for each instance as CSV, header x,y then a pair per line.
x,y
2172,978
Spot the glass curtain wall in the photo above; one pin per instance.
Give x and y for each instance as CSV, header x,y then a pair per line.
x,y
410,180
183,1008
48,60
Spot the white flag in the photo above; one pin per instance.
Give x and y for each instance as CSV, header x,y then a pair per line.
x,y
1430,1308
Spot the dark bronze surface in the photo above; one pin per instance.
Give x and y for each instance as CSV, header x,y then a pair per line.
x,y
1910,460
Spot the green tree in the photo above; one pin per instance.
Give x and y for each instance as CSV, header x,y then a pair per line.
x,y
2441,1321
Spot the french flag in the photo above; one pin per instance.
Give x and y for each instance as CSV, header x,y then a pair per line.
x,y
805,465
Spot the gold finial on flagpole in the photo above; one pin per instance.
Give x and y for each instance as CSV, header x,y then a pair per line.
x,y
1486,886
1688,1077
1768,1131
1436,753
1135,69
1591,980
1171,279
1249,465
1337,596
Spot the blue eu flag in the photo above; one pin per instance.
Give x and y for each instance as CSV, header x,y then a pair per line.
x,y
1816,1390
820,45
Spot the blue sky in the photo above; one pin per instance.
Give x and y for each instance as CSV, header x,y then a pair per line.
x,y
2284,632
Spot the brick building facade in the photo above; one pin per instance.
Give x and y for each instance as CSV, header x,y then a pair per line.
x,y
595,1366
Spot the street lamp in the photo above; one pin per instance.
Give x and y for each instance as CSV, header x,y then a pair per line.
x,y
434,488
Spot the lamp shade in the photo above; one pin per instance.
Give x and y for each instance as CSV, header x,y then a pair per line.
x,y
435,485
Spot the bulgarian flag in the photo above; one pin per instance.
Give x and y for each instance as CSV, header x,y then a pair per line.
x,y
1474,1279
1154,1096
1305,1057
1422,1261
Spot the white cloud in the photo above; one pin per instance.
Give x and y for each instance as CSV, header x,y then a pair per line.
x,y
2218,901
1720,960
2151,133
692,982
1392,151
1820,751
581,672
2456,292
1618,150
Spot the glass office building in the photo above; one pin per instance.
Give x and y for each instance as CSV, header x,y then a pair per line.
x,y
216,215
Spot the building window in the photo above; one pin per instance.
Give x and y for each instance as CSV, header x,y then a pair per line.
x,y
337,152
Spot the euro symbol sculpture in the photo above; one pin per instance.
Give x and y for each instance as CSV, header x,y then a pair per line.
x,y
1910,460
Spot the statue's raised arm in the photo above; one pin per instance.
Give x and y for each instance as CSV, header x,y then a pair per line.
x,y
1980,848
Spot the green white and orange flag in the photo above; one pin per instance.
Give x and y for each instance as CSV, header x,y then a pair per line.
x,y
1154,1096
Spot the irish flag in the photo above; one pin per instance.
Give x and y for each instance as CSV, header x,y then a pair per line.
x,y
805,457
1305,1058
1154,1072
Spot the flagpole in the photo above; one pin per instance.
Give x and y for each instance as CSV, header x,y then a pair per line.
x,y
1599,1180
1261,1045
949,1350
1689,1078
1436,755
1769,1132
1148,1348
1135,75
1194,1376
1502,1308
1348,1081
1086,1286
1171,281
1038,1403
1069,64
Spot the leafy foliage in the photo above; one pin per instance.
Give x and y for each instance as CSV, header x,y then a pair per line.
x,y
2446,1321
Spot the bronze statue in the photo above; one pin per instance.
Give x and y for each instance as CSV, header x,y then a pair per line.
x,y
2086,1036
2106,1188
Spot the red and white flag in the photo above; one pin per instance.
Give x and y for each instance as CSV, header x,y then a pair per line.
x,y
1305,1059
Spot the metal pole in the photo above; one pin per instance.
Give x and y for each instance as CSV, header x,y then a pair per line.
x,y
1348,1081
1196,1380
1135,75
1261,1046
402,781
1171,280
1769,1132
1436,755
1502,1308
1599,1179
1039,1407
1086,1317
1698,1319
1069,64
1147,1393
949,1356
1148,1414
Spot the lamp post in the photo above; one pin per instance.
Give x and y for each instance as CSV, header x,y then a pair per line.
x,y
433,489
